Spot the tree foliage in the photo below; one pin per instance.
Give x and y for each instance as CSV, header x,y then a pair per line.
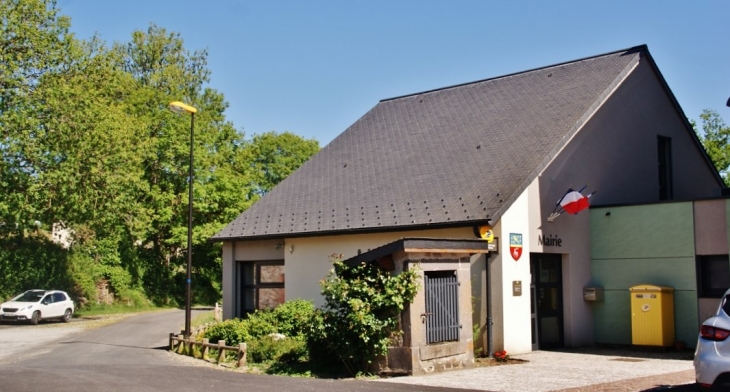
x,y
88,141
714,137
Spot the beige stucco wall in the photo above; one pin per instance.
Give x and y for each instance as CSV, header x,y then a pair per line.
x,y
307,260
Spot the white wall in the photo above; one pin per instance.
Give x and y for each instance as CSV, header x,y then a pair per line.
x,y
573,231
512,312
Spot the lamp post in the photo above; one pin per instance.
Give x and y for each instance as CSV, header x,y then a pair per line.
x,y
179,107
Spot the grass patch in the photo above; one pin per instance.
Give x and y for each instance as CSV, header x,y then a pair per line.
x,y
106,310
203,318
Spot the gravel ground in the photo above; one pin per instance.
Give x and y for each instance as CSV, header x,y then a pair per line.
x,y
16,339
602,370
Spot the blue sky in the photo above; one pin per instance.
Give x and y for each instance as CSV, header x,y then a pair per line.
x,y
313,67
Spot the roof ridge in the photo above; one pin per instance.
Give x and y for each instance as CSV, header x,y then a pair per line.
x,y
638,48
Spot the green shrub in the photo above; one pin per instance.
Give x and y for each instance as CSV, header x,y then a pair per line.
x,y
271,348
293,318
261,323
361,313
233,331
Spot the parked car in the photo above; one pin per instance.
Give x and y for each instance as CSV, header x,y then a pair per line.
x,y
36,305
712,356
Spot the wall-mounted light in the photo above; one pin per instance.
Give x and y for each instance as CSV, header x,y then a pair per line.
x,y
291,248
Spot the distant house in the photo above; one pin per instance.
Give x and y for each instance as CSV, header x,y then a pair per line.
x,y
60,234
499,152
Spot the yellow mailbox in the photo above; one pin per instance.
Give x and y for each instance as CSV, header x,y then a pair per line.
x,y
652,315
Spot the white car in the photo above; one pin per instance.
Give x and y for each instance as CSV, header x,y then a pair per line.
x,y
36,305
712,356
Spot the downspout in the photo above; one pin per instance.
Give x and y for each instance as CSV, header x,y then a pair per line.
x,y
490,340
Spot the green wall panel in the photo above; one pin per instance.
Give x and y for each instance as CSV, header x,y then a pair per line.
x,y
648,244
686,322
678,273
647,231
612,318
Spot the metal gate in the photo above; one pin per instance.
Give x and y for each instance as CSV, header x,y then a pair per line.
x,y
442,306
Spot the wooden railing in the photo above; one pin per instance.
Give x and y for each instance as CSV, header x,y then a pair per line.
x,y
181,345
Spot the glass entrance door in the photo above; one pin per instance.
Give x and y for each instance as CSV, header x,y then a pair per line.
x,y
547,300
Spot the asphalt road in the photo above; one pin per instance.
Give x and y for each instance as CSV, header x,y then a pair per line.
x,y
131,355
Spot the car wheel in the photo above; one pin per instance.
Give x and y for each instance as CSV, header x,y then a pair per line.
x,y
35,317
66,316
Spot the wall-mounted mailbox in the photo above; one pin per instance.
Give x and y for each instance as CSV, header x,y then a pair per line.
x,y
592,294
517,288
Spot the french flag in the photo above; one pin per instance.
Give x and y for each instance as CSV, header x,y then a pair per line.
x,y
574,202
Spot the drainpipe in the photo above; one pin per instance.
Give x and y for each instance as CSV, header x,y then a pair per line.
x,y
490,341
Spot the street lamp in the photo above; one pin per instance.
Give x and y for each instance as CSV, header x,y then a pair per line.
x,y
179,107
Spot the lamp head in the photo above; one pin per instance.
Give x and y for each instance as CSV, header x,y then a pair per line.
x,y
179,107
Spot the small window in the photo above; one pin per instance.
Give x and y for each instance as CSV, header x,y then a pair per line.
x,y
713,276
58,297
664,152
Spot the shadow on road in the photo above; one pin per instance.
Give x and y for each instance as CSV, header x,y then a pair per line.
x,y
673,388
115,345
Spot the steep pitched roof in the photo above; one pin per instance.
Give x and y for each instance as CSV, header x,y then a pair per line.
x,y
452,156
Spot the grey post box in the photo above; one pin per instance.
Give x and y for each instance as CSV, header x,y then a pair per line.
x,y
592,294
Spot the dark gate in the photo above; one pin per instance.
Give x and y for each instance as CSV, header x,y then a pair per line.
x,y
442,306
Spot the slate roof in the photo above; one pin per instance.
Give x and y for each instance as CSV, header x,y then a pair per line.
x,y
452,156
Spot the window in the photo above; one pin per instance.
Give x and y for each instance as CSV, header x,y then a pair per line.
x,y
664,152
260,286
713,276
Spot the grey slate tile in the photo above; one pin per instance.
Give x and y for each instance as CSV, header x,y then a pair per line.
x,y
449,156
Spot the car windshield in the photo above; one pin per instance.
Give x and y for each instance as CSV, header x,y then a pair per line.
x,y
30,296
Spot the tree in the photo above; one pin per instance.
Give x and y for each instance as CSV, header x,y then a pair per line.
x,y
34,42
273,156
88,140
714,138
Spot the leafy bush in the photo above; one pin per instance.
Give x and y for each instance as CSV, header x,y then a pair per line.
x,y
291,319
271,348
233,331
361,313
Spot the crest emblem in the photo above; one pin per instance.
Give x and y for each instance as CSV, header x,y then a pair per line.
x,y
515,245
